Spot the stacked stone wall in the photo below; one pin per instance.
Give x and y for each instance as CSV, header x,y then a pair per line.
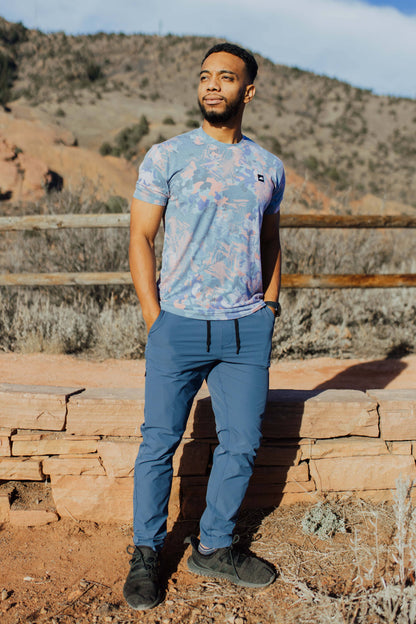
x,y
82,444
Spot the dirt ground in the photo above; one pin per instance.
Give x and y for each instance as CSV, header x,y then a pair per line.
x,y
73,572
323,372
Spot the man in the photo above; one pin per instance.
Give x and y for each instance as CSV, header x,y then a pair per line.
x,y
210,317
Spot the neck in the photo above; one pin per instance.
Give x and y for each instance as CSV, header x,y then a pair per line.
x,y
223,132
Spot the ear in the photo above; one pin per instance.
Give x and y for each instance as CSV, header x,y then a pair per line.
x,y
249,94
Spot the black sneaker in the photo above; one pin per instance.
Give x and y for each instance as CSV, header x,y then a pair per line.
x,y
141,589
240,568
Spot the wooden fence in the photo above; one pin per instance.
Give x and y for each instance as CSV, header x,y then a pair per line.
x,y
80,221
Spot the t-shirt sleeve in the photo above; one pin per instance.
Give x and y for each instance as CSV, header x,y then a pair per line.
x,y
276,200
152,184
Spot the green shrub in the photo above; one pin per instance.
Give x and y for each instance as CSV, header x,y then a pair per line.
x,y
11,34
312,163
192,123
193,111
127,140
106,149
7,75
116,204
333,174
272,144
94,71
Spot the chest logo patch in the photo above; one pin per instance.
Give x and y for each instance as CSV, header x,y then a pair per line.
x,y
260,177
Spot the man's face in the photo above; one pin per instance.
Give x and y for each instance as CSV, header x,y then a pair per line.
x,y
224,87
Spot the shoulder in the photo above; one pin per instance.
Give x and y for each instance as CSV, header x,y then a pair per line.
x,y
261,152
169,154
177,143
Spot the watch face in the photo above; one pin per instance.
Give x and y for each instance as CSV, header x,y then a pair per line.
x,y
278,309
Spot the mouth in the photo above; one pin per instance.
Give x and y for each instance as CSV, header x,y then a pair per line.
x,y
212,101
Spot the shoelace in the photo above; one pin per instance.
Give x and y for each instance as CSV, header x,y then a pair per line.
x,y
236,556
139,563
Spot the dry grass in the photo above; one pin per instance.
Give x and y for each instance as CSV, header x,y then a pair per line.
x,y
106,321
364,573
103,322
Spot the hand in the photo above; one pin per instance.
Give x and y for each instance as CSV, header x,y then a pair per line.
x,y
272,309
150,319
274,306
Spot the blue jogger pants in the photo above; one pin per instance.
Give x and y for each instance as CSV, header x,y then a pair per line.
x,y
234,357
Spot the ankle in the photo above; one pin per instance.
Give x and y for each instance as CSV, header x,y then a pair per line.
x,y
204,550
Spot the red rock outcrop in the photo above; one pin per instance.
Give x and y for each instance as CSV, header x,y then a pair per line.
x,y
32,151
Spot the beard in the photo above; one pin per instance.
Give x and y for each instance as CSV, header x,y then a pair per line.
x,y
230,111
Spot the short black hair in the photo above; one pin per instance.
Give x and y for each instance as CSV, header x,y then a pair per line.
x,y
231,48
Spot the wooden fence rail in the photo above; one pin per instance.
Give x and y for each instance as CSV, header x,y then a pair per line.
x,y
64,221
294,280
74,221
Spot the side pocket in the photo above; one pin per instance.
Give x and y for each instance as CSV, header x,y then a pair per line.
x,y
270,313
157,322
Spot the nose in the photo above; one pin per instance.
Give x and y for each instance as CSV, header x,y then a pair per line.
x,y
213,84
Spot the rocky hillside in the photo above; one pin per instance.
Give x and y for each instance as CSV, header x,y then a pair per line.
x,y
100,100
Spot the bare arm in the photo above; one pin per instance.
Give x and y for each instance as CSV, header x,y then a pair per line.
x,y
271,257
144,223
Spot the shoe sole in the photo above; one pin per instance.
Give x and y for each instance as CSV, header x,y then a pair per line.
x,y
142,607
193,567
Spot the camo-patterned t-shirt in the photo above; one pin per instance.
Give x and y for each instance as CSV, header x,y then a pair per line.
x,y
215,196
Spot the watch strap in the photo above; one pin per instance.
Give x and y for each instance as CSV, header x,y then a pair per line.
x,y
275,305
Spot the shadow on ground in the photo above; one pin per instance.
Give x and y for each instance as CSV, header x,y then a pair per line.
x,y
364,376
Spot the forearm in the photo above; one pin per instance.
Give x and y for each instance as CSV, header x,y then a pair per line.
x,y
271,268
271,257
143,272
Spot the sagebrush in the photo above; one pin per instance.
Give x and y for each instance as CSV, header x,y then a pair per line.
x,y
106,321
361,571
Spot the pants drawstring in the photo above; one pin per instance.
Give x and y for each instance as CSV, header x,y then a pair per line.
x,y
208,335
237,336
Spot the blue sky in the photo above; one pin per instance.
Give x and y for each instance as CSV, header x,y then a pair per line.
x,y
371,44
405,6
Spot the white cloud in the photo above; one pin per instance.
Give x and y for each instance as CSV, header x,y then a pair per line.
x,y
366,45
369,46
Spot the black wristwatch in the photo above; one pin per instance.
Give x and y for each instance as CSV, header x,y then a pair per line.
x,y
275,305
